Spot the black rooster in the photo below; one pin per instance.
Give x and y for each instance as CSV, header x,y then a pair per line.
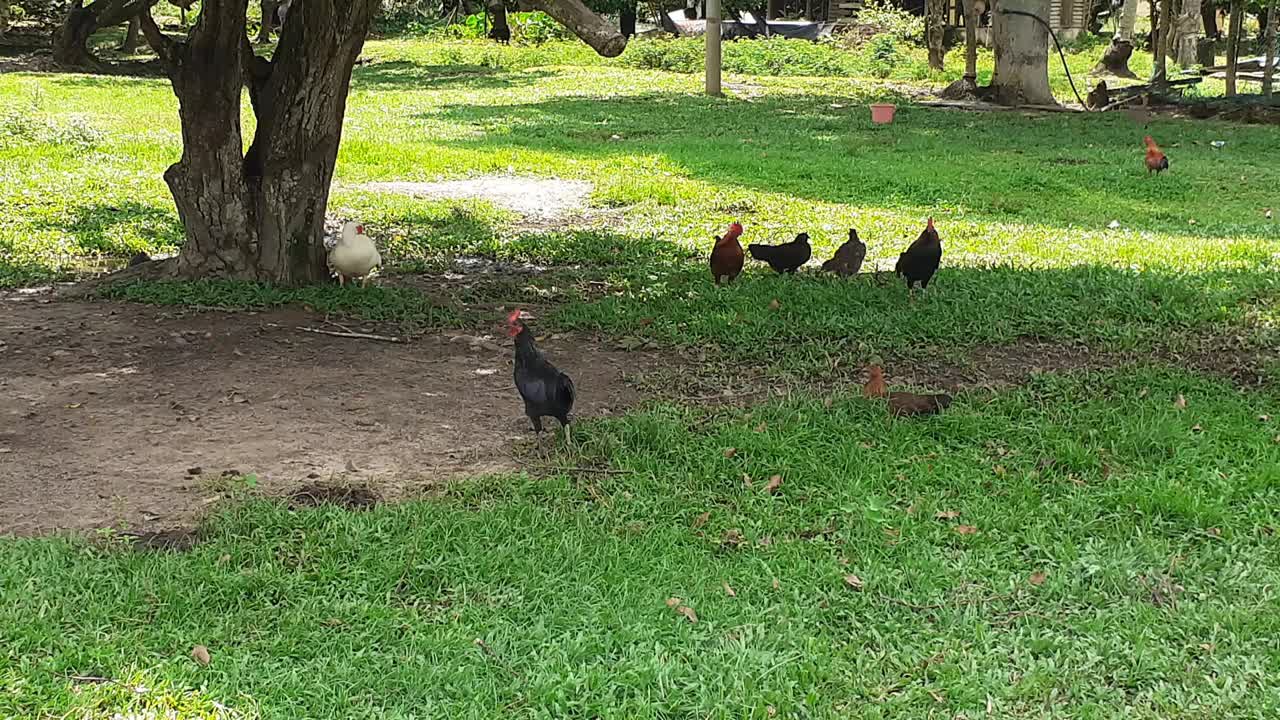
x,y
921,260
784,258
546,391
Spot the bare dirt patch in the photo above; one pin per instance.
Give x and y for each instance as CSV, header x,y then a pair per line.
x,y
131,416
545,199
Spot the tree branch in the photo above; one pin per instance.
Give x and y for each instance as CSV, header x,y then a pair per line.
x,y
164,46
590,27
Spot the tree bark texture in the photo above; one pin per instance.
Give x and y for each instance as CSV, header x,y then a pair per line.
x,y
1116,58
259,215
1021,74
1234,31
971,20
935,27
71,41
501,30
4,17
1187,34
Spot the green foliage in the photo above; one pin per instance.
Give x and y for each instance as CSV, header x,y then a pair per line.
x,y
885,18
766,56
881,54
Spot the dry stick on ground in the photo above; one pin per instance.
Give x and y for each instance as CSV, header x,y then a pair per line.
x,y
599,471
354,335
498,659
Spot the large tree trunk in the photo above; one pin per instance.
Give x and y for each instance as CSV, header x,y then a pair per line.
x,y
260,215
1187,34
1022,54
71,41
4,17
935,28
971,20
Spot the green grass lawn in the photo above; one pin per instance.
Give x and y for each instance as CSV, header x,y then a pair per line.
x,y
1152,525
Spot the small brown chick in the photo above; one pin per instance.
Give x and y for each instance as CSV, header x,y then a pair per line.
x,y
905,404
875,387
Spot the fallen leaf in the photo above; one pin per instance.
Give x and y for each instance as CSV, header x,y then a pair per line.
x,y
1180,402
730,452
728,590
765,541
891,532
1215,532
673,602
646,322
73,406
999,471
991,705
774,304
1207,647
828,403
965,530
762,427
1037,578
732,538
946,514
936,697
224,559
200,654
774,483
776,584
1196,428
746,479
853,581
701,520
688,613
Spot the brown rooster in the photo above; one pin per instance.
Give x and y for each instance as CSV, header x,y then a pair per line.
x,y
875,387
1156,160
726,256
849,256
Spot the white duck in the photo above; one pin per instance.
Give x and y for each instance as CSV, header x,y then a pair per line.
x,y
354,255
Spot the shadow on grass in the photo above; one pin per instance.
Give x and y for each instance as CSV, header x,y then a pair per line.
x,y
1061,169
409,75
96,228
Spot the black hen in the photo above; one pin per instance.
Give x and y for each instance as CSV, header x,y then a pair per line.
x,y
784,258
921,260
546,391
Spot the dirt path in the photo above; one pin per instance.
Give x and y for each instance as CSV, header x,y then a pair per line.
x,y
107,410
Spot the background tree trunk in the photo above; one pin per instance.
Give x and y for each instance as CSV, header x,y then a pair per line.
x,y
1022,54
268,20
1188,34
935,27
71,41
4,17
1128,20
501,30
773,10
1269,50
1234,31
1209,16
971,20
627,20
130,43
1115,60
1160,34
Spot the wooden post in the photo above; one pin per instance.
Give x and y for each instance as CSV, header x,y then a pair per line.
x,y
1235,29
713,48
1269,52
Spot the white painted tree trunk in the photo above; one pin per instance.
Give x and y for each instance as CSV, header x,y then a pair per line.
x,y
713,47
1188,30
1022,54
1128,19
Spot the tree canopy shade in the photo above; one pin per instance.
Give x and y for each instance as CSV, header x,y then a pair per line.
x,y
259,215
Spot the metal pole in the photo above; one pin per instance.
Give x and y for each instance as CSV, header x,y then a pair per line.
x,y
713,47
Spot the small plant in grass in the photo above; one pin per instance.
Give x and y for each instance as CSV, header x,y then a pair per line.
x,y
882,55
26,122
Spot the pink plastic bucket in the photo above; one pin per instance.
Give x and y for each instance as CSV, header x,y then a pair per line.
x,y
882,113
